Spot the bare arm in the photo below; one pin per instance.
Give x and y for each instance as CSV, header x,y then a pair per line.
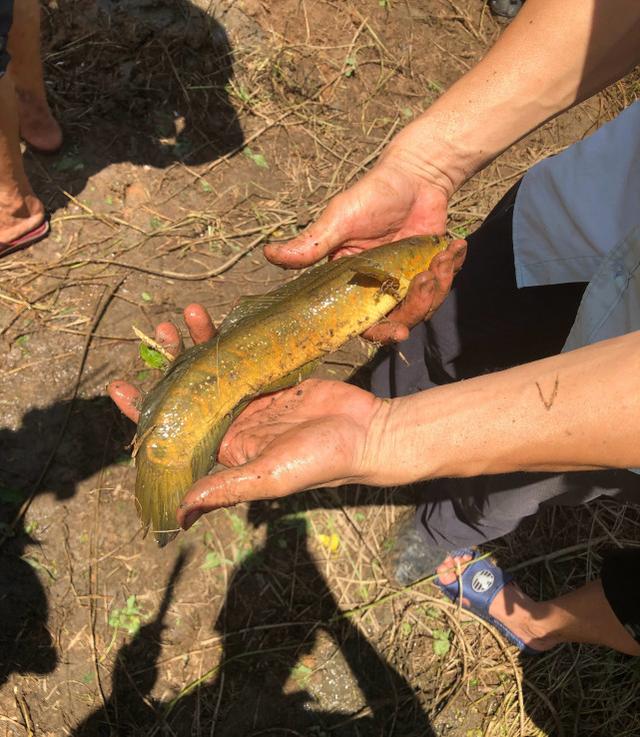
x,y
552,56
575,411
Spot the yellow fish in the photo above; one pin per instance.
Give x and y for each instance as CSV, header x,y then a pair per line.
x,y
266,343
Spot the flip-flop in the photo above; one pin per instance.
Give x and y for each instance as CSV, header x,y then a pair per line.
x,y
482,581
28,239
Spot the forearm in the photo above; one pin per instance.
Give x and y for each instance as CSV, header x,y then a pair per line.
x,y
553,55
571,412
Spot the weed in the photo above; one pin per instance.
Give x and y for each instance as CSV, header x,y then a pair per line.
x,y
128,618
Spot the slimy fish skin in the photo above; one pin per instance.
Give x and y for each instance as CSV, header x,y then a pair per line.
x,y
266,343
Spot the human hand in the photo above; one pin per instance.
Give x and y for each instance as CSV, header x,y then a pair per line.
x,y
318,433
389,203
200,328
314,434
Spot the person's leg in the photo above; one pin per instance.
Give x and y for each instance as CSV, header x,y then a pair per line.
x,y
588,614
38,127
20,209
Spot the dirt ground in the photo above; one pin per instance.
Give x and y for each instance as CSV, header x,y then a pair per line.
x,y
195,132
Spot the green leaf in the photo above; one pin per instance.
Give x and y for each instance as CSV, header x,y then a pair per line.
x,y
441,647
350,65
206,187
151,357
301,673
143,375
441,644
258,159
146,297
128,618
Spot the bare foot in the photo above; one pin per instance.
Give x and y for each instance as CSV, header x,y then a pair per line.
x,y
517,611
38,127
19,217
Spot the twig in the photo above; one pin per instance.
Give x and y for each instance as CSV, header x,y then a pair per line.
x,y
153,344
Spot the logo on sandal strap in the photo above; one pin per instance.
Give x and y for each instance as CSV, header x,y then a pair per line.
x,y
482,581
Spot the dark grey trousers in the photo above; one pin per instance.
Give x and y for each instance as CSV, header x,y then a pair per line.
x,y
6,14
488,324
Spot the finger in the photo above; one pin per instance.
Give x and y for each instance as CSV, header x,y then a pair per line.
x,y
387,331
316,241
442,268
125,397
168,335
199,323
250,482
459,253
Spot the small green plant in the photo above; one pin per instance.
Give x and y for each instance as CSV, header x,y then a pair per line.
x,y
461,231
153,358
31,527
128,618
258,159
350,66
154,223
441,644
146,297
301,674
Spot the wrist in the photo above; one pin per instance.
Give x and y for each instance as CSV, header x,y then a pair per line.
x,y
432,150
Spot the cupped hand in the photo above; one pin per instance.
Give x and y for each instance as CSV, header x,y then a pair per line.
x,y
201,329
389,203
318,433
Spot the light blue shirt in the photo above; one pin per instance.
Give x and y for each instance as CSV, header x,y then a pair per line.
x,y
577,219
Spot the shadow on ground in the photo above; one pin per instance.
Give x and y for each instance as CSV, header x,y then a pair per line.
x,y
133,81
274,613
94,439
272,618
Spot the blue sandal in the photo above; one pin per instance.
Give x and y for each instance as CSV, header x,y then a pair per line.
x,y
482,580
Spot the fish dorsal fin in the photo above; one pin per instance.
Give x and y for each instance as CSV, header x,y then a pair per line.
x,y
245,309
249,307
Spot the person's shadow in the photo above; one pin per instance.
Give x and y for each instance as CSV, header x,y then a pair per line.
x,y
94,439
277,611
140,81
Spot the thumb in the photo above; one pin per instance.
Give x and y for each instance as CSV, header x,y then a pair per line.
x,y
225,489
327,234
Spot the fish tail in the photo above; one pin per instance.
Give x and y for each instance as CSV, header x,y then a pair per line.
x,y
159,491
